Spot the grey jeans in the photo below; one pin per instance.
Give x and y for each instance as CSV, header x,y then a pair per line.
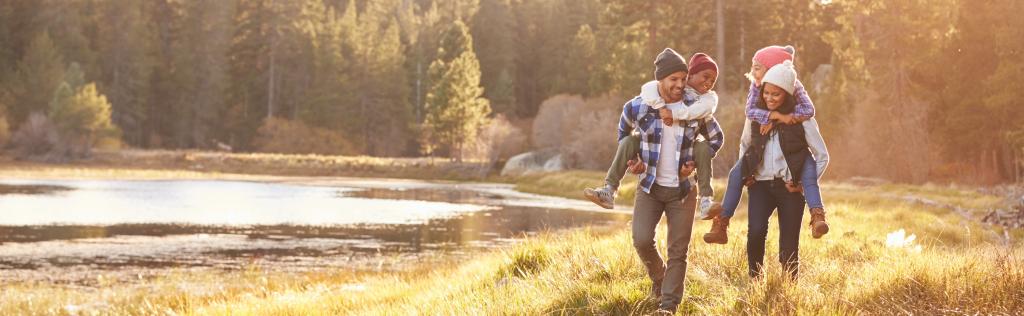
x,y
647,213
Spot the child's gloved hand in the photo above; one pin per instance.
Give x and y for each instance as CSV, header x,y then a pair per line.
x,y
794,187
687,169
666,116
636,166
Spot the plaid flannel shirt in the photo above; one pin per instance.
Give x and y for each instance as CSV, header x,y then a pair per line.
x,y
638,116
804,106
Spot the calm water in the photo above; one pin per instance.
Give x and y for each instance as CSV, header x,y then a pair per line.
x,y
210,203
69,227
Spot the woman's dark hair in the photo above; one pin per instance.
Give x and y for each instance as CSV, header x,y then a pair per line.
x,y
787,107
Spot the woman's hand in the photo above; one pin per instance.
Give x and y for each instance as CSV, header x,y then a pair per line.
x,y
636,166
783,118
666,116
767,128
794,187
749,181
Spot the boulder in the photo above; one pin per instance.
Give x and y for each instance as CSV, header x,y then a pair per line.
x,y
532,162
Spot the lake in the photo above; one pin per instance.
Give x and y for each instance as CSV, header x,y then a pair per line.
x,y
69,230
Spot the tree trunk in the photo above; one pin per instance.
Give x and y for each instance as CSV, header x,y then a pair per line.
x,y
270,79
419,89
743,48
720,33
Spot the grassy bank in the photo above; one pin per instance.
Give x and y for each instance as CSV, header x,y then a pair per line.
x,y
961,267
198,164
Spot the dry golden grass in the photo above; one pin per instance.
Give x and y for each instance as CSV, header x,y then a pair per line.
x,y
961,267
200,164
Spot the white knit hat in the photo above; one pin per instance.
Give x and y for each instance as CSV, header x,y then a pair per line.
x,y
782,75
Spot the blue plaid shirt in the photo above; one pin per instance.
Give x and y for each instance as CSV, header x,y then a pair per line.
x,y
638,116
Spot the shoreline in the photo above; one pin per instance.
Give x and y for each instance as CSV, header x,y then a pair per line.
x,y
588,271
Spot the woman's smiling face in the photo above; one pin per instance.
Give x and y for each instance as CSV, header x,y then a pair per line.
x,y
773,96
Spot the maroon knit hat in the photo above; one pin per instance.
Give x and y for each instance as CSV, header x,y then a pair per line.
x,y
700,62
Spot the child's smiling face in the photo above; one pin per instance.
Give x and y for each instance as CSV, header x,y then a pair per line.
x,y
703,81
773,96
757,71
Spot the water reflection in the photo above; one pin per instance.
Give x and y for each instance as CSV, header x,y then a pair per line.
x,y
31,189
100,203
218,224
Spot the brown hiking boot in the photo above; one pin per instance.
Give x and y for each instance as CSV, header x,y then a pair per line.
x,y
718,233
818,225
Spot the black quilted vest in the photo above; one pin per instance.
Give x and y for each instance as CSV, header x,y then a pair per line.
x,y
794,148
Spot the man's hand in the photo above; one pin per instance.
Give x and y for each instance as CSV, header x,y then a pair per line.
x,y
794,188
783,118
749,181
636,166
767,128
687,169
666,116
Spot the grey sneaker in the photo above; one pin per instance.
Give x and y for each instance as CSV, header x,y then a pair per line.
x,y
603,196
709,208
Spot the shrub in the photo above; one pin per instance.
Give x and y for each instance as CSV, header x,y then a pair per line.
x,y
5,133
549,126
582,130
278,135
497,141
81,117
34,138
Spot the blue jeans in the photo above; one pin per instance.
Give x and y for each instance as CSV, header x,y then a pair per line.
x,y
734,187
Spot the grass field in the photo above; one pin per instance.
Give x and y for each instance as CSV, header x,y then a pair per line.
x,y
955,266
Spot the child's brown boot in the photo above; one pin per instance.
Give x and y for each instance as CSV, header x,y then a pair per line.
x,y
818,225
719,231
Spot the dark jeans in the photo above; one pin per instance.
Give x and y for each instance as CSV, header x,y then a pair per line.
x,y
764,197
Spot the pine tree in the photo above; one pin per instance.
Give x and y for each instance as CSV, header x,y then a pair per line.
x,y
1001,103
7,39
268,66
39,74
422,52
581,65
321,107
124,41
886,95
198,58
455,108
81,117
493,30
387,92
69,25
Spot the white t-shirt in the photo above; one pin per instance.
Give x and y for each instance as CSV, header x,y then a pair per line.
x,y
668,163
